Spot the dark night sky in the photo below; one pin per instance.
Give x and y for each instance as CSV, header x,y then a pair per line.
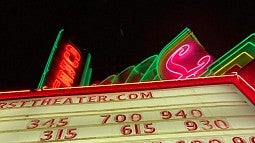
x,y
117,33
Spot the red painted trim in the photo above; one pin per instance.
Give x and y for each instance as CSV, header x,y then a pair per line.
x,y
118,87
237,80
246,89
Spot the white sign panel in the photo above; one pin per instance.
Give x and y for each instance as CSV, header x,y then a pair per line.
x,y
198,114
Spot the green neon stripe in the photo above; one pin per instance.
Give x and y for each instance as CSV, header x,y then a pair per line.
x,y
49,62
243,46
235,49
140,70
88,77
179,37
109,80
156,78
147,74
122,76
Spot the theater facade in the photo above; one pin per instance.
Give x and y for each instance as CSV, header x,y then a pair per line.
x,y
181,95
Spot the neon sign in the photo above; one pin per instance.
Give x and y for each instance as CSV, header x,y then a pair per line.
x,y
184,57
234,59
181,71
68,65
64,65
65,68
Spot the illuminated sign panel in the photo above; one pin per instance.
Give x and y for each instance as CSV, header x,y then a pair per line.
x,y
234,59
159,113
184,57
66,66
205,110
65,69
180,67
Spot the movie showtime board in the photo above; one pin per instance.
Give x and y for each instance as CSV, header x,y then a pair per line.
x,y
206,110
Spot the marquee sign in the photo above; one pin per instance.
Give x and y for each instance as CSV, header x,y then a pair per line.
x,y
206,110
216,109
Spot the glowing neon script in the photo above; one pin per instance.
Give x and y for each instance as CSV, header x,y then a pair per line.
x,y
181,71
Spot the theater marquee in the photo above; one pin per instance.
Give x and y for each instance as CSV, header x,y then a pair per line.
x,y
206,110
179,96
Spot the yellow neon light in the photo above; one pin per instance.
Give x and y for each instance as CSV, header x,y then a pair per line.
x,y
234,60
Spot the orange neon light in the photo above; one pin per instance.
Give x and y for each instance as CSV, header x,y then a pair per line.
x,y
64,78
67,68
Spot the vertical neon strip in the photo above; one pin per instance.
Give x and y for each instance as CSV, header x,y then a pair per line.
x,y
49,62
88,77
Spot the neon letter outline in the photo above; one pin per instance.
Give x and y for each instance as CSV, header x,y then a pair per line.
x,y
180,70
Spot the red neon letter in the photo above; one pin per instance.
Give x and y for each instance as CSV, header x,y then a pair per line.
x,y
64,78
72,56
56,83
67,68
